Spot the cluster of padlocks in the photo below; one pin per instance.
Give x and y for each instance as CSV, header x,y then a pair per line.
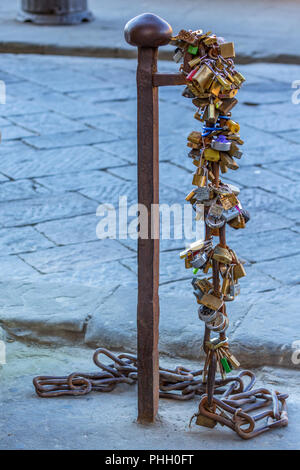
x,y
212,83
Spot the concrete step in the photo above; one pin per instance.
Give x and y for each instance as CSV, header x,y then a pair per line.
x,y
261,331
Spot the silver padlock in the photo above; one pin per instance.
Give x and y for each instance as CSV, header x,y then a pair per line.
x,y
199,260
234,290
178,55
231,214
221,145
219,324
206,314
202,194
215,217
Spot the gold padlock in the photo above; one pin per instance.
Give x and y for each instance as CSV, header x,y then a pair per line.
x,y
210,40
186,36
187,261
204,77
211,113
239,76
194,62
222,255
199,178
227,50
228,200
225,84
233,149
205,421
211,301
238,222
198,116
227,105
229,94
223,166
238,271
228,161
233,126
215,88
204,285
225,285
201,102
190,195
211,155
195,137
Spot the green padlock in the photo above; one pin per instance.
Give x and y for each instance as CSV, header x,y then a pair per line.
x,y
193,49
226,365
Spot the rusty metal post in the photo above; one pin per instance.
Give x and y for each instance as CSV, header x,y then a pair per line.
x,y
148,32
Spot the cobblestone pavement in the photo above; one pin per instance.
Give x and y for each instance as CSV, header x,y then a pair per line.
x,y
69,144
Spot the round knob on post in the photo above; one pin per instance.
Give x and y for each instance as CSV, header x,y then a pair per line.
x,y
147,30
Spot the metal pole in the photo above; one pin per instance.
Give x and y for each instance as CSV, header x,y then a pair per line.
x,y
147,32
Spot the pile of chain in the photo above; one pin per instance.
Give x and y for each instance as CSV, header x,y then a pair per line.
x,y
232,409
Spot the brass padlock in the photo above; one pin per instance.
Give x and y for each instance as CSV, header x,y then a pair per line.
x,y
190,195
205,421
228,161
210,40
225,84
211,301
234,150
238,271
215,88
199,178
227,50
198,116
195,137
225,283
233,126
187,261
186,36
194,62
211,114
211,155
203,284
222,255
204,77
223,166
227,105
239,77
228,200
238,222
229,94
194,146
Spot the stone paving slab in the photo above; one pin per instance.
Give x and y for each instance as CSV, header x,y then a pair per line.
x,y
52,183
34,311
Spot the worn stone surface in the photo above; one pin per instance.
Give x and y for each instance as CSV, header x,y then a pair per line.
x,y
83,153
39,311
260,36
108,420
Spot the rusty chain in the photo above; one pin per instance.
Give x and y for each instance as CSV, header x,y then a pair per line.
x,y
232,409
